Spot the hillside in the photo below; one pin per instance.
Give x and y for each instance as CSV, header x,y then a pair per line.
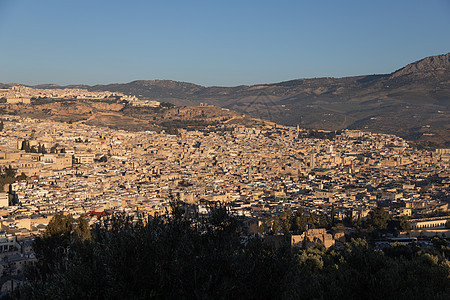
x,y
412,102
115,114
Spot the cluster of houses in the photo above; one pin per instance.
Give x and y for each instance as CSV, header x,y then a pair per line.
x,y
23,94
257,171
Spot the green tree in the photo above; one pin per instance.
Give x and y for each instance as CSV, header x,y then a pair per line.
x,y
274,224
82,229
10,172
185,256
323,221
21,176
26,146
53,148
405,225
59,226
52,248
299,222
333,212
378,218
285,221
311,221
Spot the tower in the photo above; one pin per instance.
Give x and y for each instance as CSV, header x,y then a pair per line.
x,y
312,162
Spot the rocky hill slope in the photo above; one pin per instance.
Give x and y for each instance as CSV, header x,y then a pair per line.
x,y
412,102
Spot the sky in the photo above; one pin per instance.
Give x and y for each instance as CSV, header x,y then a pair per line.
x,y
214,43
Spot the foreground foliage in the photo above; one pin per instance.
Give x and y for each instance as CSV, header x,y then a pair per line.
x,y
177,258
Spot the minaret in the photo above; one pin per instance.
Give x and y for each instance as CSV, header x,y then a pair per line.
x,y
312,162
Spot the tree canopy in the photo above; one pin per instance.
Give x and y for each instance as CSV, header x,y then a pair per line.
x,y
175,256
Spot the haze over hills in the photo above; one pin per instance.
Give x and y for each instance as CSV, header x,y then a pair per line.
x,y
412,102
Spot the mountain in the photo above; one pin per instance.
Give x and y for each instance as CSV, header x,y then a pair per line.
x,y
412,102
426,67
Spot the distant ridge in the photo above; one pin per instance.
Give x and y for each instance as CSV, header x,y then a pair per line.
x,y
426,66
412,102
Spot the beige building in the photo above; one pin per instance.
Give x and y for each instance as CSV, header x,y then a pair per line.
x,y
312,237
18,100
57,161
4,199
429,223
84,158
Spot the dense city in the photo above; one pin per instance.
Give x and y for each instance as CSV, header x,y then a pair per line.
x,y
286,184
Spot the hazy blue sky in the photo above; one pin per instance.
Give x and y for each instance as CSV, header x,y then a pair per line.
x,y
214,43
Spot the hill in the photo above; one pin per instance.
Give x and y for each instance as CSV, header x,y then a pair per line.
x,y
412,102
117,114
